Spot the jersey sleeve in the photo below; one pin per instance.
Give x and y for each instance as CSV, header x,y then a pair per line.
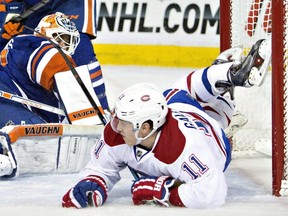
x,y
105,160
44,63
89,21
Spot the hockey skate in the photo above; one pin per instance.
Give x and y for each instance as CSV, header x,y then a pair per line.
x,y
234,54
254,68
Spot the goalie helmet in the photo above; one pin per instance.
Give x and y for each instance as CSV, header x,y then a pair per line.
x,y
61,30
138,104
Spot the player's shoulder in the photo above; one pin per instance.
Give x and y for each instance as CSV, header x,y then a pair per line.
x,y
112,138
29,37
27,41
171,142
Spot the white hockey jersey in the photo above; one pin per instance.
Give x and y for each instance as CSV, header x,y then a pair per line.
x,y
191,146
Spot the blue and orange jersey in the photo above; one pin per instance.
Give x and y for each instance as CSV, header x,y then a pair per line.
x,y
31,62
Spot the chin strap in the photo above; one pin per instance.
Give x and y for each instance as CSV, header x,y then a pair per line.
x,y
140,139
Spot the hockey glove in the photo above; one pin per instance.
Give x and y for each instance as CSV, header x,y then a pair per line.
x,y
8,163
152,190
11,29
91,191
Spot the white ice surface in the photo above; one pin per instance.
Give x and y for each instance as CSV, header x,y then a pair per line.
x,y
249,180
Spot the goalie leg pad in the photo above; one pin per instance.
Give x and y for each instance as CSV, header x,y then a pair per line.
x,y
48,155
74,153
78,108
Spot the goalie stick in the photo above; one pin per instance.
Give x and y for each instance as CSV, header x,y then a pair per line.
x,y
31,103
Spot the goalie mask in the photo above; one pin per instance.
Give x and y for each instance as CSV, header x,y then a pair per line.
x,y
61,30
138,104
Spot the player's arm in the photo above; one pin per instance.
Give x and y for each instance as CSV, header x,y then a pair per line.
x,y
51,71
90,191
166,191
97,177
44,63
198,182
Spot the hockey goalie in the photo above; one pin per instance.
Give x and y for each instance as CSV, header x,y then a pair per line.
x,y
39,77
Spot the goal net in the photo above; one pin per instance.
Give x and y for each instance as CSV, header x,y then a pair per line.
x,y
243,22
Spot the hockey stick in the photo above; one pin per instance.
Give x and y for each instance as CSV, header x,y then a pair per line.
x,y
31,103
30,10
50,129
76,75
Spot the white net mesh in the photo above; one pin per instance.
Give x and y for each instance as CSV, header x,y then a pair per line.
x,y
251,20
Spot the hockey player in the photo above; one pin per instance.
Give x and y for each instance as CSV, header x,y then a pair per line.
x,y
81,12
33,68
175,142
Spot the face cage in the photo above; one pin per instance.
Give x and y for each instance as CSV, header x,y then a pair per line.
x,y
69,40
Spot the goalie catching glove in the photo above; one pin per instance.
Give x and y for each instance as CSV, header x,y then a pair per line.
x,y
156,191
11,29
8,164
91,191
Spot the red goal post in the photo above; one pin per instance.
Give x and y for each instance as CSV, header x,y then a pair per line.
x,y
271,18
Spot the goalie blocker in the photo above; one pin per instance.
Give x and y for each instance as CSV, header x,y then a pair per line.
x,y
45,148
